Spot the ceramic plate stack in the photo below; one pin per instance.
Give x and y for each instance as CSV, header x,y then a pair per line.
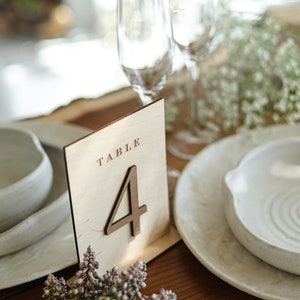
x,y
200,218
54,211
43,242
262,203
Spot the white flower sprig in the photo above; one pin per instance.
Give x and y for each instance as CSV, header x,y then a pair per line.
x,y
259,83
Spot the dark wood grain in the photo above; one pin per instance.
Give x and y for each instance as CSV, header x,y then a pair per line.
x,y
178,270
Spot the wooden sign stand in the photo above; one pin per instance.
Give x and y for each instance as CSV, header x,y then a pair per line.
x,y
118,189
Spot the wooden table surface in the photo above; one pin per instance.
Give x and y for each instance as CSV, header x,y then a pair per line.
x,y
176,269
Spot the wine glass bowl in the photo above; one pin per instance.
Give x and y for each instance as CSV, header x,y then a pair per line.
x,y
194,29
145,45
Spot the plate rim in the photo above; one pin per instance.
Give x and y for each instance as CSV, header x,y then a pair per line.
x,y
184,228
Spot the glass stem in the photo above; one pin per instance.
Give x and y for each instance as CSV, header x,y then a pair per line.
x,y
194,74
145,98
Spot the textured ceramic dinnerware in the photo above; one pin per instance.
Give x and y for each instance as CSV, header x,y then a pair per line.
x,y
25,175
262,203
44,256
54,211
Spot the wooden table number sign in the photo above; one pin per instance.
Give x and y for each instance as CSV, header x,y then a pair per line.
x,y
118,188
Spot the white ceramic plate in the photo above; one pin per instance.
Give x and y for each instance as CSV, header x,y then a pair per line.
x,y
57,250
53,212
200,218
262,203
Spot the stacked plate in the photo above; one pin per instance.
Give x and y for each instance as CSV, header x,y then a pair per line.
x,y
237,208
43,242
33,193
262,203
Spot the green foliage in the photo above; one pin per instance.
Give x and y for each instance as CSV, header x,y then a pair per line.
x,y
27,4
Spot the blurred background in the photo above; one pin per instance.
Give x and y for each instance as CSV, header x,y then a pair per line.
x,y
55,51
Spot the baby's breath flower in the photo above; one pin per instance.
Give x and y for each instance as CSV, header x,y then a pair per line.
x,y
259,83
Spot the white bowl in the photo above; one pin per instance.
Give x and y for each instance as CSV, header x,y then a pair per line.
x,y
25,175
54,211
262,203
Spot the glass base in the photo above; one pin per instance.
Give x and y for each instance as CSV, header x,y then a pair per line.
x,y
173,175
185,145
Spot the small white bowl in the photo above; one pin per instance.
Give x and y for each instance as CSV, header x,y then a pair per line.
x,y
262,203
25,175
54,211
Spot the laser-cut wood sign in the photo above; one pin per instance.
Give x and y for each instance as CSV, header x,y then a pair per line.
x,y
129,184
118,187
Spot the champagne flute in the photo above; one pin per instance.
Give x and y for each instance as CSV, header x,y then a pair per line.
x,y
193,29
145,45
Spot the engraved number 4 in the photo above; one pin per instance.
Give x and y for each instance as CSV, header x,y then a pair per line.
x,y
133,218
